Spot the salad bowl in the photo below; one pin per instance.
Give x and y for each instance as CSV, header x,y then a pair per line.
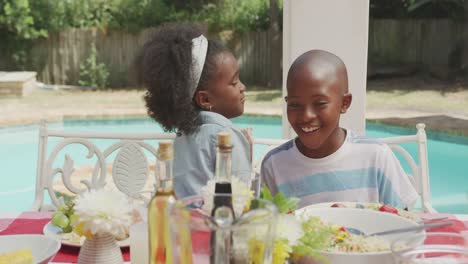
x,y
375,250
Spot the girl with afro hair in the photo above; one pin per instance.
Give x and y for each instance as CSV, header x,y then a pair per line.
x,y
193,88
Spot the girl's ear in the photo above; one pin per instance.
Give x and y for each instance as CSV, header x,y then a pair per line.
x,y
346,103
202,99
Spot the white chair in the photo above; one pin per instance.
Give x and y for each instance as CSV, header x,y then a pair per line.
x,y
419,169
128,154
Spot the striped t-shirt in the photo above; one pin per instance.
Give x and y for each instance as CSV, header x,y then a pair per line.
x,y
362,170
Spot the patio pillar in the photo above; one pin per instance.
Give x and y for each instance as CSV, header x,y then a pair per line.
x,y
340,27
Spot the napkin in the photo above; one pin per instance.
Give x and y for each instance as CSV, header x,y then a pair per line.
x,y
457,227
25,226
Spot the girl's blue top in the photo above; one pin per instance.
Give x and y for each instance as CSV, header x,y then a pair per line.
x,y
195,155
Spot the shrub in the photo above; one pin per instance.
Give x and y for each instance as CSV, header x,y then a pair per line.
x,y
92,73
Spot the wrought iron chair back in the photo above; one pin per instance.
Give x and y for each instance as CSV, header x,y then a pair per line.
x,y
128,158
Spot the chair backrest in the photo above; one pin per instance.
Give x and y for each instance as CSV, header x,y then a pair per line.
x,y
128,157
419,168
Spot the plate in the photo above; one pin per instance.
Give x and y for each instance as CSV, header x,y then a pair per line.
x,y
56,232
369,206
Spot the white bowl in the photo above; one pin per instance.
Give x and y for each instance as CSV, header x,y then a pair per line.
x,y
43,248
365,220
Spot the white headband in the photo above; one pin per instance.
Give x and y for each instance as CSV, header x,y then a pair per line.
x,y
199,49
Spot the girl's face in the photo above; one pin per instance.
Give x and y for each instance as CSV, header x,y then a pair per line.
x,y
226,92
314,106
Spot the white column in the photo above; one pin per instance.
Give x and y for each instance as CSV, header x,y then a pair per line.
x,y
338,26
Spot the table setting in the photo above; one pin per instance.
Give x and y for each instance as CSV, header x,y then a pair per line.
x,y
33,223
288,233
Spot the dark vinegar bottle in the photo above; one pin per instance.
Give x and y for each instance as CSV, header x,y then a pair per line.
x,y
223,212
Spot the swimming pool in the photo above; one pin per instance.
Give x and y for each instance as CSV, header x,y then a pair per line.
x,y
448,157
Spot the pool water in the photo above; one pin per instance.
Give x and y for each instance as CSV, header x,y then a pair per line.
x,y
448,157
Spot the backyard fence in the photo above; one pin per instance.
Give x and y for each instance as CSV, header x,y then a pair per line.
x,y
62,53
66,50
422,43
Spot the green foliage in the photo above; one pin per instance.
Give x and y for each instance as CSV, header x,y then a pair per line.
x,y
18,31
285,205
16,19
29,19
90,13
92,73
24,21
35,18
237,15
134,15
51,15
453,9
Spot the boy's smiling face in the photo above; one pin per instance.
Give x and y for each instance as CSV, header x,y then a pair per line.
x,y
317,95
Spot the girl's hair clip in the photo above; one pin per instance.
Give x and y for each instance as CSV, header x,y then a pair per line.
x,y
199,50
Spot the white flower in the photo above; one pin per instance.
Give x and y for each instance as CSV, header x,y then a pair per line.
x,y
241,195
289,227
101,211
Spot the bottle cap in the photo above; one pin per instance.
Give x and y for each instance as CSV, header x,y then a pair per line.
x,y
165,150
224,139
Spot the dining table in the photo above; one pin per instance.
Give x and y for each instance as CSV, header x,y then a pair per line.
x,y
12,223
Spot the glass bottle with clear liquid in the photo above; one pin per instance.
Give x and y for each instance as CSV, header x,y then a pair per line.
x,y
222,212
158,226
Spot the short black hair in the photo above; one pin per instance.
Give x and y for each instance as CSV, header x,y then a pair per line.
x,y
165,65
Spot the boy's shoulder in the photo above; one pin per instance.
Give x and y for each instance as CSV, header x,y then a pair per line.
x,y
281,149
357,139
366,144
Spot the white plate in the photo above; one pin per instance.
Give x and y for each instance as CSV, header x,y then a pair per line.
x,y
56,232
369,206
43,248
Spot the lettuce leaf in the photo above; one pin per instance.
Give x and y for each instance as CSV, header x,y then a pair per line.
x,y
316,238
285,205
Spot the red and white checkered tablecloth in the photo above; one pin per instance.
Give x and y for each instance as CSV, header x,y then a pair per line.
x,y
33,223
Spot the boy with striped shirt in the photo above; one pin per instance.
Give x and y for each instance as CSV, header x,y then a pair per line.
x,y
327,163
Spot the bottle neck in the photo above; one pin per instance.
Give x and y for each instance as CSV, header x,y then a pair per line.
x,y
223,164
164,176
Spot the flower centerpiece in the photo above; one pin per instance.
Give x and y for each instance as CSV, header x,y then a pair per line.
x,y
100,212
100,217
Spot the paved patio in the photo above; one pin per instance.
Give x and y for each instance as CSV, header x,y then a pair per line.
x,y
60,105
